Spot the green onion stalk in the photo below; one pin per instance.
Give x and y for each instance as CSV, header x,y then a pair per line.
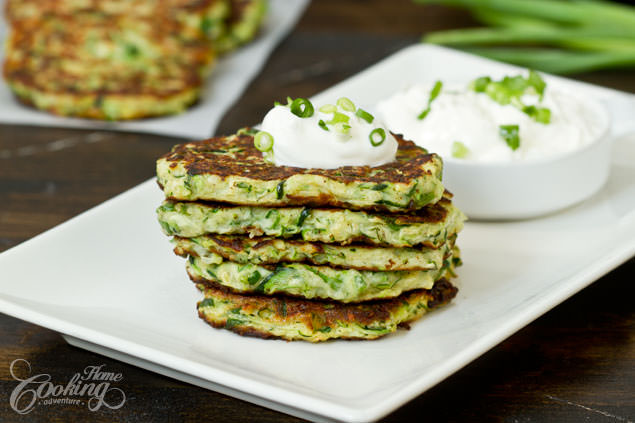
x,y
557,36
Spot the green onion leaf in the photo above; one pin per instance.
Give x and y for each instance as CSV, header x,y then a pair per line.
x,y
510,90
241,131
263,141
206,25
459,150
480,84
377,137
289,101
283,308
267,156
539,114
338,118
346,104
244,185
254,278
280,190
301,107
303,215
363,114
434,93
207,302
328,108
231,323
132,51
423,114
322,125
436,90
543,115
510,134
342,127
535,80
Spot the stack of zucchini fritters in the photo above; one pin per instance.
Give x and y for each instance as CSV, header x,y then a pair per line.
x,y
309,254
120,59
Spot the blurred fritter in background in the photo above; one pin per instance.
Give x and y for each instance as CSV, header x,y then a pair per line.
x,y
120,59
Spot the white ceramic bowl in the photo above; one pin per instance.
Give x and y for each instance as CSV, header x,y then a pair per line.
x,y
525,189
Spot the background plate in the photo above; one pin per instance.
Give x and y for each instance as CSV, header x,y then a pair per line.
x,y
108,280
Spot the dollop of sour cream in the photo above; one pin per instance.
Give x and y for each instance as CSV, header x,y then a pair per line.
x,y
302,142
462,115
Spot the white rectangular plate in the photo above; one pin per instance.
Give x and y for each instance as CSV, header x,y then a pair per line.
x,y
108,280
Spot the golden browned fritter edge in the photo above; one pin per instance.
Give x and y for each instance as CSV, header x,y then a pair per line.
x,y
323,313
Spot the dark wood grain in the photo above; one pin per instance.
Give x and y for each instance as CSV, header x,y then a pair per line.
x,y
576,363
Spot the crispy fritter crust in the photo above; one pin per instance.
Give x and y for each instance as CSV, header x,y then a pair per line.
x,y
432,213
264,251
205,157
241,243
215,169
428,227
315,316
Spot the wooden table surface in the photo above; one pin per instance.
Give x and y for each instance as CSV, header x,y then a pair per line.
x,y
576,363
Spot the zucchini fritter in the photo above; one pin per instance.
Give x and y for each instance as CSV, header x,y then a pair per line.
x,y
104,67
196,18
429,227
309,281
315,321
230,169
241,25
269,250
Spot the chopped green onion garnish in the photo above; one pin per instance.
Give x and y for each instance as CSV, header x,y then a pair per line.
x,y
322,125
543,115
539,114
480,84
365,115
339,117
434,93
377,136
436,90
459,150
423,114
267,156
302,107
328,108
535,80
289,101
510,134
263,141
346,104
247,131
342,127
510,90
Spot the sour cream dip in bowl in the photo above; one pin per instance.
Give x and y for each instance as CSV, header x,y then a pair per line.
x,y
512,149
